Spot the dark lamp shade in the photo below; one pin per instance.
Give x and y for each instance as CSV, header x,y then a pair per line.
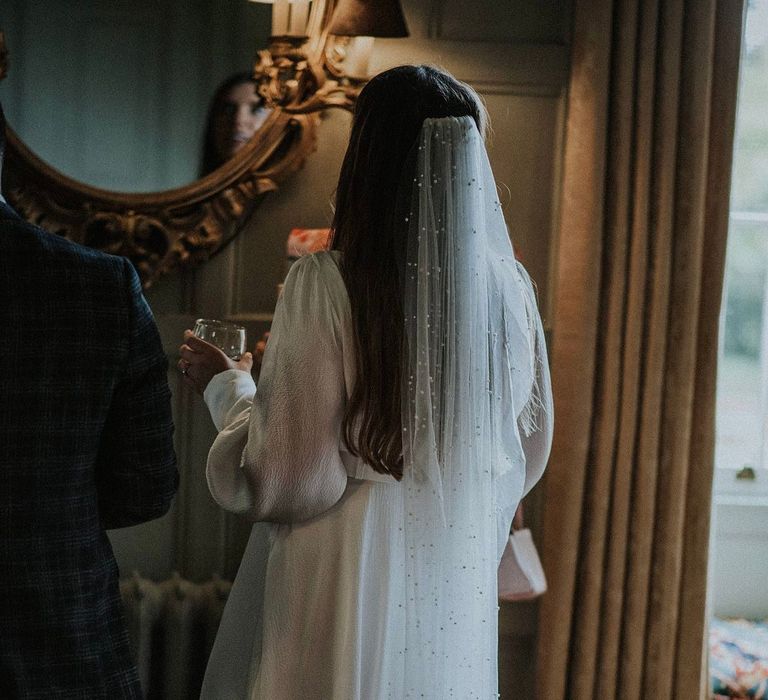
x,y
380,18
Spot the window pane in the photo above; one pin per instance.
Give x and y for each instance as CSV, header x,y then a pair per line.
x,y
740,375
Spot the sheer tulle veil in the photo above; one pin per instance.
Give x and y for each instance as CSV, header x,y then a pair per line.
x,y
474,386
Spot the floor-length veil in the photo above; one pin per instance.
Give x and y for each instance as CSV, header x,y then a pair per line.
x,y
472,385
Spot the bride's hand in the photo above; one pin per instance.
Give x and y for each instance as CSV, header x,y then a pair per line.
x,y
200,361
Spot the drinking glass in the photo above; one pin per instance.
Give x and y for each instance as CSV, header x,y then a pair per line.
x,y
225,335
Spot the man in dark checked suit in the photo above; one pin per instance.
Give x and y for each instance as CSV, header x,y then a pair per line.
x,y
85,445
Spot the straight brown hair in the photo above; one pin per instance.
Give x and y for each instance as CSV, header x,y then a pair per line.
x,y
372,238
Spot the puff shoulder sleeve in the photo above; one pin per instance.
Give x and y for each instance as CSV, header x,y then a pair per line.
x,y
276,457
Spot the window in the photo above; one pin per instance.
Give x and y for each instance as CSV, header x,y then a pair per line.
x,y
741,455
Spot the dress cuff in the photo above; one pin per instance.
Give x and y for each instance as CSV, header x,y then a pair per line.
x,y
225,392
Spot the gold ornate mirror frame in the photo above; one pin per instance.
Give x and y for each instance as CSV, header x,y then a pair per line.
x,y
159,231
168,230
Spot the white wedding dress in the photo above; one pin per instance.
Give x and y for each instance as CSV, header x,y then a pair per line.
x,y
330,607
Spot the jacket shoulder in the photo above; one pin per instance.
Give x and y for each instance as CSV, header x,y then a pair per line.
x,y
37,245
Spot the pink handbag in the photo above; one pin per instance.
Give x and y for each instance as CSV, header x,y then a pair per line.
x,y
521,576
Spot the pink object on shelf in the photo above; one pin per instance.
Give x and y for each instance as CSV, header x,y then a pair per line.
x,y
303,241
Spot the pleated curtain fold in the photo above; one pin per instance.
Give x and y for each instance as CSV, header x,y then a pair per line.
x,y
640,261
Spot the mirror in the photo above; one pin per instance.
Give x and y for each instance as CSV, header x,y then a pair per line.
x,y
117,95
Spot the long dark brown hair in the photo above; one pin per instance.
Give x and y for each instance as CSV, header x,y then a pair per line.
x,y
388,117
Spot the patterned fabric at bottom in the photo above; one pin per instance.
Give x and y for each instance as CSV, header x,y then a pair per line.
x,y
738,658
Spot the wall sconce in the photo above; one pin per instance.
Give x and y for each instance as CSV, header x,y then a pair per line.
x,y
320,49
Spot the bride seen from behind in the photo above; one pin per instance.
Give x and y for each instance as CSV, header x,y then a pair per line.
x,y
403,410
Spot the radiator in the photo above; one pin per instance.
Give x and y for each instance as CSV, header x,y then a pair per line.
x,y
172,626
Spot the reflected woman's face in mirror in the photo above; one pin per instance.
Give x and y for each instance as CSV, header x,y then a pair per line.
x,y
237,117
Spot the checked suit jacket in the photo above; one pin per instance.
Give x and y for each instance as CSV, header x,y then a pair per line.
x,y
85,445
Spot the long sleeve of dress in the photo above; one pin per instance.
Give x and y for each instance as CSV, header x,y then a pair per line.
x,y
537,444
537,447
276,457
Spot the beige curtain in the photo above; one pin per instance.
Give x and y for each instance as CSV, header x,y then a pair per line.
x,y
646,179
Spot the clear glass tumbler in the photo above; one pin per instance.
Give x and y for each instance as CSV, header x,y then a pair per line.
x,y
225,335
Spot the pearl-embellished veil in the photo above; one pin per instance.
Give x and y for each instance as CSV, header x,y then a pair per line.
x,y
475,387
